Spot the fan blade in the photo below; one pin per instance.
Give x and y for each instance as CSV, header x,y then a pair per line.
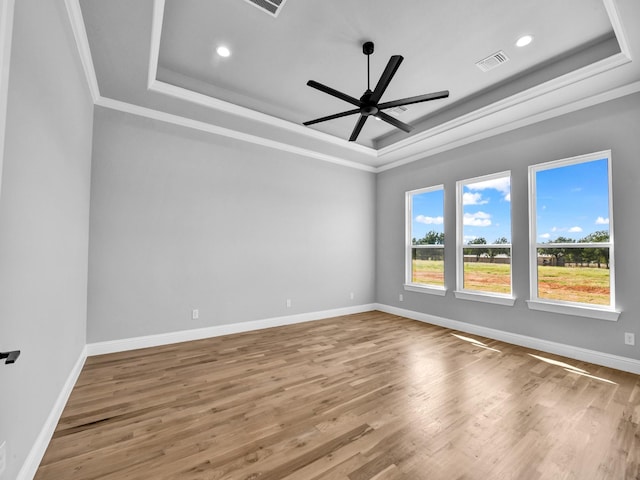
x,y
394,121
358,127
333,92
331,117
385,79
416,99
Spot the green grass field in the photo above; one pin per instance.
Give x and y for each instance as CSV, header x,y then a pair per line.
x,y
578,284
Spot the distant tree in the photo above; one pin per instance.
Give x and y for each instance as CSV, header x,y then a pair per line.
x,y
558,252
493,252
430,238
476,251
597,255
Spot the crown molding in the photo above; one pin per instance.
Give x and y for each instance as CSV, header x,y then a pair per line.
x,y
590,101
533,105
155,85
226,132
158,86
82,44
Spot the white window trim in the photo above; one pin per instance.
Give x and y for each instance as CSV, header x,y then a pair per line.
x,y
425,288
487,297
477,295
558,306
409,285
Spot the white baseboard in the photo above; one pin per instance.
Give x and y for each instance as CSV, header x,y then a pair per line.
x,y
125,344
583,354
32,462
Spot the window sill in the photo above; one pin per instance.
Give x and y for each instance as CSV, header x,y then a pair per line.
x,y
494,298
580,311
432,290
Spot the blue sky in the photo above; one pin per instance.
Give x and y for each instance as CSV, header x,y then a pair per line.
x,y
487,210
428,213
572,201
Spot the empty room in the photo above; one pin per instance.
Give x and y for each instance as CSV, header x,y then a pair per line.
x,y
304,240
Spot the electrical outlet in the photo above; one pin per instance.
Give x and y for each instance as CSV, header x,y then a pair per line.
x,y
3,457
288,303
401,298
195,314
629,338
352,295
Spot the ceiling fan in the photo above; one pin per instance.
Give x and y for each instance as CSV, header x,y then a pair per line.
x,y
368,104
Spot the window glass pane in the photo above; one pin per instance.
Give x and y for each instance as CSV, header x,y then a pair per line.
x,y
487,269
427,229
485,224
427,266
572,203
427,222
574,275
487,211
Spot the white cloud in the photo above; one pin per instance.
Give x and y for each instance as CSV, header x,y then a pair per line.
x,y
554,229
575,230
602,221
469,238
546,236
469,198
429,220
478,219
502,184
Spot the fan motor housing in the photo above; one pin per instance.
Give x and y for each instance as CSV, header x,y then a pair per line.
x,y
368,110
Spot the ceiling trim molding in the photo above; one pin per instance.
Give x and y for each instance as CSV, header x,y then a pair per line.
x,y
518,110
157,17
6,34
536,93
618,27
590,101
209,101
226,132
217,104
82,44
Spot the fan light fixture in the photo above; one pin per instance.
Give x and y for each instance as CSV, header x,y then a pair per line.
x,y
223,51
524,40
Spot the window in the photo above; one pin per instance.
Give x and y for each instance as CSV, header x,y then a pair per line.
x,y
571,244
425,240
484,239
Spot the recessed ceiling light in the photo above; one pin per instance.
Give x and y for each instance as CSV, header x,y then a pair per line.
x,y
524,40
223,51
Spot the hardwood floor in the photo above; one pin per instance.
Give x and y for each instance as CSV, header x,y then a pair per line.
x,y
362,397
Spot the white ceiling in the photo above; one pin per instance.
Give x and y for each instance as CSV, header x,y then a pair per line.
x,y
157,57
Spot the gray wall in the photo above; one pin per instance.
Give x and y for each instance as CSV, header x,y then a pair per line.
x,y
613,125
44,222
183,220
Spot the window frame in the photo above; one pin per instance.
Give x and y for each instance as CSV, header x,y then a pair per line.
x,y
409,285
479,295
602,312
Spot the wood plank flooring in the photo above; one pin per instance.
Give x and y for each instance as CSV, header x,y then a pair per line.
x,y
361,397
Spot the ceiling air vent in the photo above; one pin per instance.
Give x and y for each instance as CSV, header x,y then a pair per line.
x,y
492,61
397,111
272,7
